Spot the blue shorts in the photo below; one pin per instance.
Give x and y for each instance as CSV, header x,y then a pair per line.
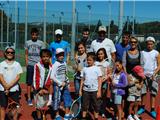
x,y
29,76
117,99
15,96
61,95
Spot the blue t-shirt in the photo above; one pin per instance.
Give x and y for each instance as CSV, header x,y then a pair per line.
x,y
120,50
62,44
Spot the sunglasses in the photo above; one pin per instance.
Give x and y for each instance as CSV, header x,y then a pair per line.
x,y
10,52
133,41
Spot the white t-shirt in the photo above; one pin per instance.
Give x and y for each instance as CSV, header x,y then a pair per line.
x,y
149,61
106,43
90,75
58,73
10,72
103,66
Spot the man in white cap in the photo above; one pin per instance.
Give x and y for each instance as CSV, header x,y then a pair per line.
x,y
60,43
150,61
103,42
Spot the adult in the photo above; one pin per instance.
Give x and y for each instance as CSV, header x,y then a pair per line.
x,y
85,40
103,42
32,56
131,57
150,62
60,43
123,46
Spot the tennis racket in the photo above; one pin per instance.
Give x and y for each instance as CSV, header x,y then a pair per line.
x,y
41,104
13,109
75,107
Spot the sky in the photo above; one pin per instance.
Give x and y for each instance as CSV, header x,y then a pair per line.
x,y
144,10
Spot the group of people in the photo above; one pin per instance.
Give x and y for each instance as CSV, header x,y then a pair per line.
x,y
109,77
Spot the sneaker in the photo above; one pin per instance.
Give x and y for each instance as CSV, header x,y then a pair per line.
x,y
67,117
29,102
153,114
58,117
140,111
136,117
130,117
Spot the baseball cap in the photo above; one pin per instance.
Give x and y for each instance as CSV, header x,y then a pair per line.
x,y
58,31
150,39
59,50
9,47
138,70
102,28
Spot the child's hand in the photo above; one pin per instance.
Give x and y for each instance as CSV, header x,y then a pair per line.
x,y
43,92
98,94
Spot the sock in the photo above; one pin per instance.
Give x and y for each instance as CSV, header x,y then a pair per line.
x,y
152,109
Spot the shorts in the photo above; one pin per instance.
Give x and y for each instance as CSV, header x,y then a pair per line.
x,y
61,95
133,98
41,101
29,75
150,85
117,99
89,98
4,98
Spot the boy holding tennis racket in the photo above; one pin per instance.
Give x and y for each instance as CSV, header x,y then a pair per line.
x,y
60,85
10,71
42,83
90,88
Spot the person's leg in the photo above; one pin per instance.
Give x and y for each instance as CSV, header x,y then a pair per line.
x,y
29,81
77,87
2,113
3,105
93,100
119,111
85,103
56,101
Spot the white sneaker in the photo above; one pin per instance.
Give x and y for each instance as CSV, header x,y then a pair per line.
x,y
136,117
130,117
103,115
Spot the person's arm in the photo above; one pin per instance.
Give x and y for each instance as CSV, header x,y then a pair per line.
x,y
26,57
158,65
124,61
3,82
99,86
113,55
81,86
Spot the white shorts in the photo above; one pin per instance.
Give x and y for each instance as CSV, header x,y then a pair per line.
x,y
132,98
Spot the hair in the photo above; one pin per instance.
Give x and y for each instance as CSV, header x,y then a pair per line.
x,y
81,43
34,30
104,51
119,61
85,29
126,33
92,55
133,37
45,51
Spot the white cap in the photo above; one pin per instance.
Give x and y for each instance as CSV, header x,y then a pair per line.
x,y
102,28
58,31
10,47
59,50
150,39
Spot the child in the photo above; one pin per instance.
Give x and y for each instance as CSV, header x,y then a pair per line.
x,y
32,50
103,63
41,81
135,83
10,71
80,63
60,85
90,88
119,82
150,62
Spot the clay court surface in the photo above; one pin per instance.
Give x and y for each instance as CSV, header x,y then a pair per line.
x,y
28,112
